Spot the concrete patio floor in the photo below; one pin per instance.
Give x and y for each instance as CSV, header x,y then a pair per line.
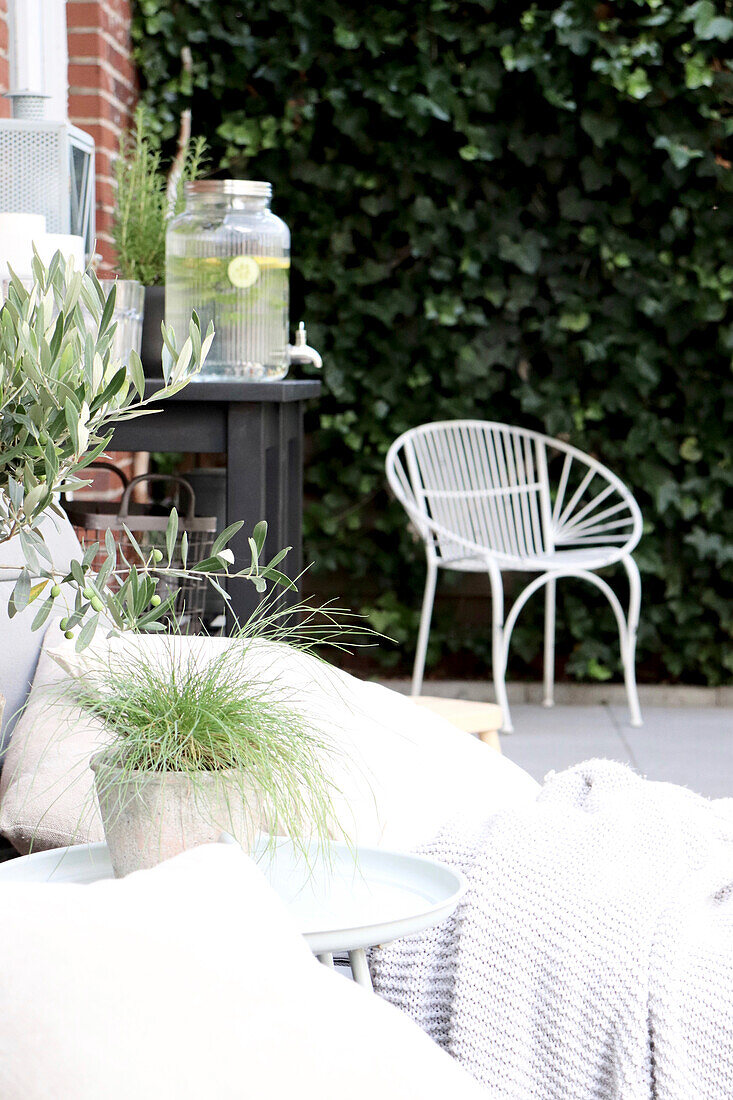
x,y
687,736
688,745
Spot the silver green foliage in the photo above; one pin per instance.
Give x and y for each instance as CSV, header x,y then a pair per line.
x,y
61,394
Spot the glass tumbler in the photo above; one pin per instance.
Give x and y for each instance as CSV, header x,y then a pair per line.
x,y
128,314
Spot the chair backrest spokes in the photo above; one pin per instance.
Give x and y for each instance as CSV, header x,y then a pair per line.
x,y
484,482
507,491
590,507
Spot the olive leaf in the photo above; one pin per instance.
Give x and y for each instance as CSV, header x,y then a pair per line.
x,y
62,393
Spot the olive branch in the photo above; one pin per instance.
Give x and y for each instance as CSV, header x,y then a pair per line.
x,y
61,394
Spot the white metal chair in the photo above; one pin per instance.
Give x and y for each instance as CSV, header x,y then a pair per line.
x,y
489,497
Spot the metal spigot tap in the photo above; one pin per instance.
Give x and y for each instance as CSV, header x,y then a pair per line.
x,y
300,352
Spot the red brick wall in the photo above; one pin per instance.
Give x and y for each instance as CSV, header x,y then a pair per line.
x,y
102,92
102,95
4,62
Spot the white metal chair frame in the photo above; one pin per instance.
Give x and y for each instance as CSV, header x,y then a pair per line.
x,y
481,498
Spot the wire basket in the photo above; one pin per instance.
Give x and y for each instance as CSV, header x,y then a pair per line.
x,y
148,523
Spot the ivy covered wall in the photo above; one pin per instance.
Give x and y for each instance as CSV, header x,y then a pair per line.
x,y
513,211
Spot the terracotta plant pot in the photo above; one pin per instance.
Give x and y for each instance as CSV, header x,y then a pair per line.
x,y
149,817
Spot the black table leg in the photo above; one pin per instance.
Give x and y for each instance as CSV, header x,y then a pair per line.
x,y
245,496
260,425
264,481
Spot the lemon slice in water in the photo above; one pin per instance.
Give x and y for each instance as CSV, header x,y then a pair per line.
x,y
276,263
243,271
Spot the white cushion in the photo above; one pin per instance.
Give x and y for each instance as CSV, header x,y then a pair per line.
x,y
20,644
401,774
46,785
190,982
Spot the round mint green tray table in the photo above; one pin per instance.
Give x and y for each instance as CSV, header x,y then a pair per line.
x,y
347,901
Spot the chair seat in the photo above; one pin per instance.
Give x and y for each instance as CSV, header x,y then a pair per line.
x,y
593,557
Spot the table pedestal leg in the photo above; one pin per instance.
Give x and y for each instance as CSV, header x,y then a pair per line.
x,y
359,968
326,958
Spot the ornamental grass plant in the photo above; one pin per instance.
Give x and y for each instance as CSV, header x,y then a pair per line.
x,y
210,715
178,712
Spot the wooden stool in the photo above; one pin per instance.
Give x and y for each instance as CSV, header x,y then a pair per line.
x,y
481,718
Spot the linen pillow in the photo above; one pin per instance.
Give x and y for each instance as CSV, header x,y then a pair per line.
x,y
401,773
46,785
190,981
21,645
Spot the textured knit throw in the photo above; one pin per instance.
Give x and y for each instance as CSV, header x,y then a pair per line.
x,y
592,956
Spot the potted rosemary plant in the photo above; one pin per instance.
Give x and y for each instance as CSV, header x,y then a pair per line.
x,y
146,198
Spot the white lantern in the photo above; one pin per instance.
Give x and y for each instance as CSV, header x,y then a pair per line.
x,y
47,168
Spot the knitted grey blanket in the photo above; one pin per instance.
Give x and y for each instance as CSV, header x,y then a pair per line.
x,y
592,956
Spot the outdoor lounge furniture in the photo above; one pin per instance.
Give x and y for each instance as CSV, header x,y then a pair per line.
x,y
412,768
592,954
487,497
398,770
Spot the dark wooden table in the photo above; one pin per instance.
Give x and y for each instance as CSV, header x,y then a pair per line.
x,y
260,427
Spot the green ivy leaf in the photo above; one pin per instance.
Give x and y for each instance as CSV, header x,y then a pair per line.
x,y
345,38
415,300
707,23
574,322
638,84
680,154
690,449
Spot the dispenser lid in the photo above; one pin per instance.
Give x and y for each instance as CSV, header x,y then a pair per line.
x,y
253,189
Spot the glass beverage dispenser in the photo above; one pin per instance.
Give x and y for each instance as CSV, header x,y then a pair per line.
x,y
228,257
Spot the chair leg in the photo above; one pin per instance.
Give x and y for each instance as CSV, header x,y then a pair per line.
x,y
424,631
499,670
498,649
628,645
549,679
